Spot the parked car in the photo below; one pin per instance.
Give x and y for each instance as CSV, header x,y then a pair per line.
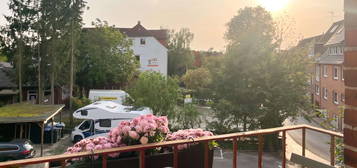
x,y
16,149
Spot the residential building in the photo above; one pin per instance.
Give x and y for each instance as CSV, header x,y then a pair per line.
x,y
149,46
8,88
327,81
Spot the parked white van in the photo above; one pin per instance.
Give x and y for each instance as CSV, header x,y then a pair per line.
x,y
117,96
101,116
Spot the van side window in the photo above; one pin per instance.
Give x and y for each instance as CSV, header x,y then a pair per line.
x,y
84,112
105,123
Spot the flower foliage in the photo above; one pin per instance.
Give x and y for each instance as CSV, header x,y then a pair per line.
x,y
187,134
141,130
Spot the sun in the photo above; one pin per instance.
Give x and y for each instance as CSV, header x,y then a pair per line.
x,y
273,5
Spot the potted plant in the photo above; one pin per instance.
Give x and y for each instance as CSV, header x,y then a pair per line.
x,y
142,130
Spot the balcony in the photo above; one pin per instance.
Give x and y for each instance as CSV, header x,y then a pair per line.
x,y
234,137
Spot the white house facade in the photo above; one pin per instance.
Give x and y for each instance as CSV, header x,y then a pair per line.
x,y
150,47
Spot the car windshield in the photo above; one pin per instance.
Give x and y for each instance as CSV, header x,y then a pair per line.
x,y
85,125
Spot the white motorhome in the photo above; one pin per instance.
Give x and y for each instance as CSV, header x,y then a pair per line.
x,y
117,96
101,116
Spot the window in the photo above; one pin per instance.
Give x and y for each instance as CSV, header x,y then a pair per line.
x,y
335,72
142,41
85,125
333,28
343,78
335,97
317,89
317,71
325,70
5,148
339,50
325,93
105,123
342,97
84,112
137,58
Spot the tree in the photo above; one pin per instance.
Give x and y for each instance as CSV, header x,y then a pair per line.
x,y
261,85
188,117
156,91
76,28
17,33
198,80
180,57
105,58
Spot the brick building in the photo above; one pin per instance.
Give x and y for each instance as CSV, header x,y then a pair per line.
x,y
327,81
350,74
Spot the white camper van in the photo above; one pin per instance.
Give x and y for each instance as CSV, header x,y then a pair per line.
x,y
101,116
117,96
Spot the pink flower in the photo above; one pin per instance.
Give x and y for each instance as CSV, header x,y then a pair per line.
x,y
113,155
134,135
98,147
118,140
181,147
89,146
125,130
138,128
144,140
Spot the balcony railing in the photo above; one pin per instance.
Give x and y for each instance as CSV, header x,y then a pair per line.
x,y
233,136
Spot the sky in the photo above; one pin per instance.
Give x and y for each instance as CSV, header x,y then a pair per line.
x,y
207,19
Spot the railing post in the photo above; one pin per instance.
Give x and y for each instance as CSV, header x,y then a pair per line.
x,y
104,161
284,149
332,150
175,156
235,148
303,139
63,163
260,151
142,159
206,154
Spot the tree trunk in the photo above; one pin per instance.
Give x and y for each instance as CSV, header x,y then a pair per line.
x,y
39,92
20,75
52,87
244,123
71,77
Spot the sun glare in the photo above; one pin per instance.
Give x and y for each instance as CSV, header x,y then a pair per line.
x,y
273,5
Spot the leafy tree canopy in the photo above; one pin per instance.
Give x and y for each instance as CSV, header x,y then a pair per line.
x,y
105,57
258,86
180,56
156,91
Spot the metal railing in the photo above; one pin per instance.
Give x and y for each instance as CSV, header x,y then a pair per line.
x,y
233,136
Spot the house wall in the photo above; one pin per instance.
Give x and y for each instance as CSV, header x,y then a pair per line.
x,y
60,97
350,72
332,85
153,55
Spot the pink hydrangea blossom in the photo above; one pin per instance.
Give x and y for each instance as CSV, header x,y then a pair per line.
x,y
187,134
144,140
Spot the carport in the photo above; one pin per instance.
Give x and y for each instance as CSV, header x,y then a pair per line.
x,y
23,115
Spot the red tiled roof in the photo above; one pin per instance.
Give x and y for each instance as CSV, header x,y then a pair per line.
x,y
140,31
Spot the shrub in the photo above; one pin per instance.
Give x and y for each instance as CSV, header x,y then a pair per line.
x,y
80,102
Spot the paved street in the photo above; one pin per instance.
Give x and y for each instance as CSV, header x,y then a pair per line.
x,y
316,142
246,159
